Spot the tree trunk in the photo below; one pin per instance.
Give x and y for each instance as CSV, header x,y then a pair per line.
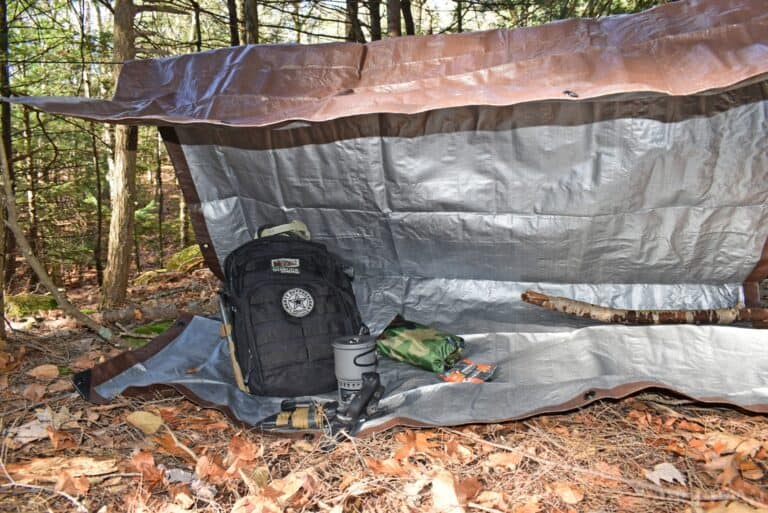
x,y
354,31
33,232
234,35
183,223
393,18
251,14
410,28
196,27
122,179
159,200
374,7
459,17
7,259
99,209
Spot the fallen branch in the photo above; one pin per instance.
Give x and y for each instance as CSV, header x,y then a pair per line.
x,y
623,316
161,312
13,223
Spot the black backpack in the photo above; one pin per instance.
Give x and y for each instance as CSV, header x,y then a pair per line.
x,y
285,299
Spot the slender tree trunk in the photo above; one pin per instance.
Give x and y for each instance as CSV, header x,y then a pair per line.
x,y
33,234
234,34
122,179
159,200
410,28
251,14
99,209
459,17
7,259
198,29
374,7
183,222
354,31
393,18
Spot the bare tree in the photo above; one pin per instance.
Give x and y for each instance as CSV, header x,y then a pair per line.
x,y
393,18
410,28
234,36
354,31
374,8
122,177
251,13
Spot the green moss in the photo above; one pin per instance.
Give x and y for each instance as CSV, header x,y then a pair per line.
x,y
65,371
23,305
154,328
186,259
135,342
88,311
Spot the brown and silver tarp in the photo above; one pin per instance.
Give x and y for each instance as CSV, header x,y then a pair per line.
x,y
620,161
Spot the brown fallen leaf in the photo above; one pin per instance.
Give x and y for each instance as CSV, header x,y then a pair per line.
x,y
3,381
256,504
459,452
61,440
609,470
144,463
690,426
169,446
147,422
388,467
75,486
33,392
729,467
467,489
45,372
209,468
504,459
415,442
567,492
531,506
49,469
492,500
751,470
444,496
61,385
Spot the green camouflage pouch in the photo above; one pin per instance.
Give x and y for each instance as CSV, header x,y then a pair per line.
x,y
419,345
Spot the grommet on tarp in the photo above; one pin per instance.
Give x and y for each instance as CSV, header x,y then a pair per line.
x,y
570,93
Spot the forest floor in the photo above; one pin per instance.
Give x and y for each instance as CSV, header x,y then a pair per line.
x,y
646,453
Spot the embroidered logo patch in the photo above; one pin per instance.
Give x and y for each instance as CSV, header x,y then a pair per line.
x,y
285,265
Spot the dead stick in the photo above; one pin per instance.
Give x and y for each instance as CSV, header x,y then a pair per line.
x,y
34,263
623,316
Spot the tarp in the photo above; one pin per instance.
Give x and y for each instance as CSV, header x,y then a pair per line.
x,y
620,161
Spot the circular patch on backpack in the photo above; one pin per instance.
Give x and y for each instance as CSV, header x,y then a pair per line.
x,y
298,302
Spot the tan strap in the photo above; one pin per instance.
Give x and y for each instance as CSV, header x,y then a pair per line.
x,y
295,226
235,366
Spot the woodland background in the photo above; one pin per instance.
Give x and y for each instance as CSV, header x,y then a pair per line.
x,y
95,211
100,207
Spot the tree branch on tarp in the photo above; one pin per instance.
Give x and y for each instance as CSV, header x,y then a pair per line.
x,y
640,317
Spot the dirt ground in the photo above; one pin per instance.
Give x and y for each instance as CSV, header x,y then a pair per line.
x,y
646,453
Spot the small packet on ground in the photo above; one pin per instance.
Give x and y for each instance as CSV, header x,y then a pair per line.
x,y
469,371
419,345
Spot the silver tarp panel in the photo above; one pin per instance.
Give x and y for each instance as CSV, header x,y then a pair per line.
x,y
538,372
448,216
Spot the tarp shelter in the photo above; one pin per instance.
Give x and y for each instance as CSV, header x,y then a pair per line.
x,y
621,161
